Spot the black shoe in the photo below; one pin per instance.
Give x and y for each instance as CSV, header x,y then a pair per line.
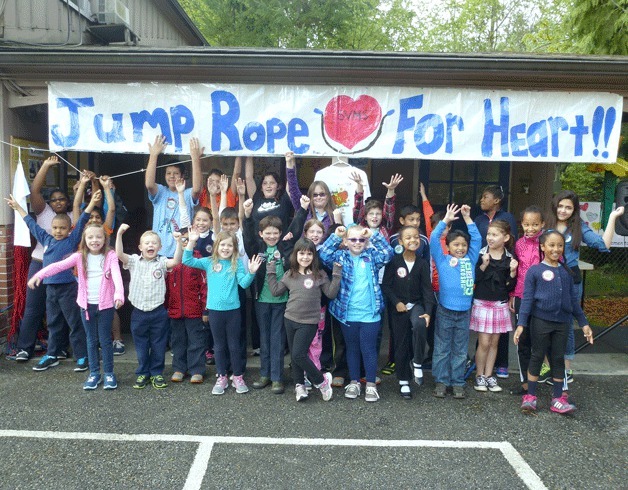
x,y
404,391
45,363
62,355
519,391
22,356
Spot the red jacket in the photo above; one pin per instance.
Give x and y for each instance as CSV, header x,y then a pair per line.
x,y
187,291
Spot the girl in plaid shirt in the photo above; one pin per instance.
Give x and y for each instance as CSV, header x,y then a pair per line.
x,y
359,302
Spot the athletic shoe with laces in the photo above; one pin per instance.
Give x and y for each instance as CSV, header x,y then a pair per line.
x,y
491,382
371,394
501,372
545,375
118,348
481,384
352,390
158,382
301,392
240,385
569,375
528,403
389,369
210,360
222,383
326,390
92,382
111,383
81,365
561,405
45,363
22,356
141,382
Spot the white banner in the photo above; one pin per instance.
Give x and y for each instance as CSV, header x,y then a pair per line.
x,y
373,122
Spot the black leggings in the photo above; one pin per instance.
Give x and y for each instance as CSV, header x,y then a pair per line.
x,y
410,338
545,334
523,347
300,336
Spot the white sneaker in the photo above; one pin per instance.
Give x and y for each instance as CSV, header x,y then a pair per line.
x,y
480,384
352,390
240,385
371,394
492,384
301,392
325,387
221,384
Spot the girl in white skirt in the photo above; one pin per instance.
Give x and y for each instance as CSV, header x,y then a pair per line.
x,y
495,277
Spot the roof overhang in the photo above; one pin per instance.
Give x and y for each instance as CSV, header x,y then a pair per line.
x,y
26,65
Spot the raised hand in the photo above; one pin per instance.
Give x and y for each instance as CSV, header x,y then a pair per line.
x,y
450,214
395,180
248,207
158,145
366,233
105,182
305,202
513,265
290,160
241,187
180,185
123,228
51,161
254,263
196,152
224,183
465,211
340,231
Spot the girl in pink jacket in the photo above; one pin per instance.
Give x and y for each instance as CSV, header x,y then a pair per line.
x,y
100,291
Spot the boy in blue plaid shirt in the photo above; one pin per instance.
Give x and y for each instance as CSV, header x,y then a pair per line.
x,y
359,303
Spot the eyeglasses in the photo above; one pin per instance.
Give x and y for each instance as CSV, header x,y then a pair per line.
x,y
58,199
318,194
357,240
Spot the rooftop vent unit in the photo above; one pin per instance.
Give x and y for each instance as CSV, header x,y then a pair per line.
x,y
112,12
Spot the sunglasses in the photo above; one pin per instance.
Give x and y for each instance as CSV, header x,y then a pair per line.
x,y
318,194
357,240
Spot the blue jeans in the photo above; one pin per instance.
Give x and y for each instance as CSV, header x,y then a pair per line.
x,y
570,351
271,333
150,330
451,346
98,329
188,341
61,307
225,326
361,343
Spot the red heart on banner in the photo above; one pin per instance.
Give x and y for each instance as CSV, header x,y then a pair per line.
x,y
584,206
349,121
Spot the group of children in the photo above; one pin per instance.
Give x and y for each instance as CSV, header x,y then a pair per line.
x,y
311,273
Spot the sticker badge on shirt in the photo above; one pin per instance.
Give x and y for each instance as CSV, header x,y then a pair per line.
x,y
277,254
209,249
398,249
402,272
567,238
308,283
157,274
107,274
171,203
547,275
217,267
453,262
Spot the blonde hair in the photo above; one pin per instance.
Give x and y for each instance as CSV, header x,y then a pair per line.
x,y
150,233
84,251
221,237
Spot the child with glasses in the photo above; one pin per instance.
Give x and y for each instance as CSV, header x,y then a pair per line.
x,y
359,302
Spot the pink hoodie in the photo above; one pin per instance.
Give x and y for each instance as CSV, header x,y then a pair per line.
x,y
111,288
528,253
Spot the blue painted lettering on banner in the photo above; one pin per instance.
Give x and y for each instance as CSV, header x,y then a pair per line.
x,y
115,135
75,131
535,139
430,132
225,115
159,117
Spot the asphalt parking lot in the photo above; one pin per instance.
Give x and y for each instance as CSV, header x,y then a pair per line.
x,y
56,435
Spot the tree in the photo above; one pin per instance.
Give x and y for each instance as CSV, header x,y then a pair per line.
x,y
600,26
314,24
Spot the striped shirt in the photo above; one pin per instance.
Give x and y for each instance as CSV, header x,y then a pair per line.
x,y
147,289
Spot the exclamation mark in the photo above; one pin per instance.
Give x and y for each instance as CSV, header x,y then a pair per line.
x,y
606,120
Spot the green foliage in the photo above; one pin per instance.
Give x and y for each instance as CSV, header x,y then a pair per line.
x,y
600,26
313,24
587,185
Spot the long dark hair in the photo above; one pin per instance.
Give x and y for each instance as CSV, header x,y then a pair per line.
x,y
574,223
304,245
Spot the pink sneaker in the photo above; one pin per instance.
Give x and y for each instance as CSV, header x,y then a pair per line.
x,y
529,403
562,405
222,383
240,385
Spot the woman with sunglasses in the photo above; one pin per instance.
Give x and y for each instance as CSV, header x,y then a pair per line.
x,y
359,302
321,204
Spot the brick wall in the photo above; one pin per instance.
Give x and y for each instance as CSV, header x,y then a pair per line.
x,y
6,278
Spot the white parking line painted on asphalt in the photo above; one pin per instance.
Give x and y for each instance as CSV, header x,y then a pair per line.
x,y
203,454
